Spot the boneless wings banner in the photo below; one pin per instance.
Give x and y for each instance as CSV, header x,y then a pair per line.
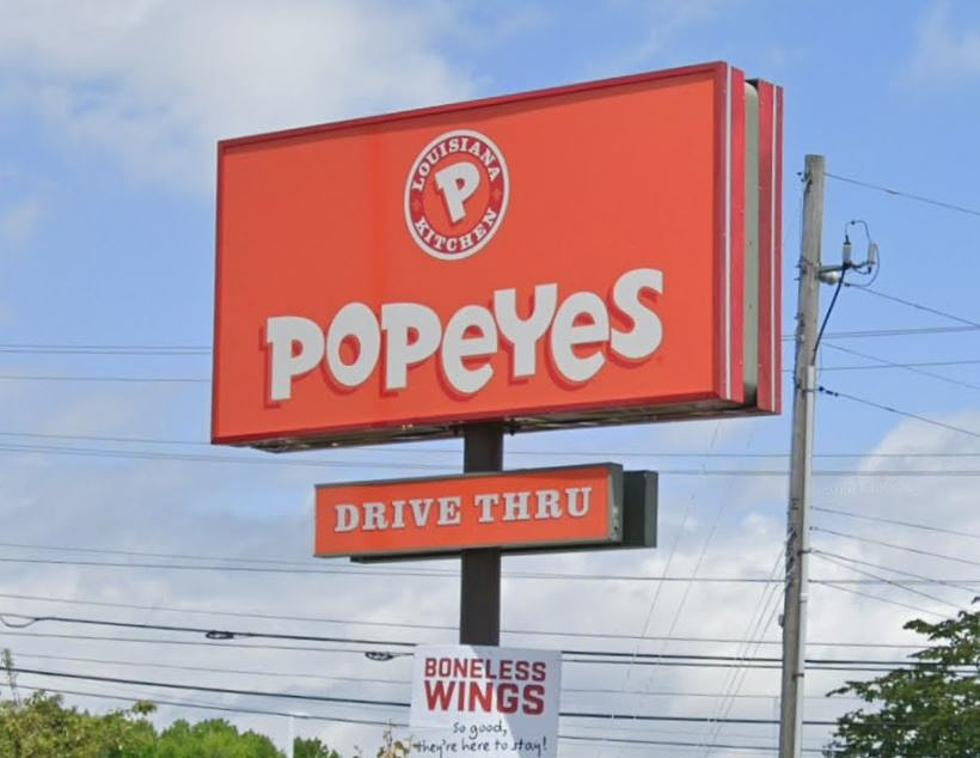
x,y
489,701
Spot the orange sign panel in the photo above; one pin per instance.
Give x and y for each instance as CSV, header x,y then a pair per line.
x,y
521,509
571,256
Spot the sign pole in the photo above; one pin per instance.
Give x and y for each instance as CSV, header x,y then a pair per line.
x,y
798,517
479,602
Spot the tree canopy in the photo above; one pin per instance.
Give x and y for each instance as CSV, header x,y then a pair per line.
x,y
928,709
42,726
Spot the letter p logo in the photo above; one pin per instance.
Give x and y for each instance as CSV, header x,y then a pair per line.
x,y
457,183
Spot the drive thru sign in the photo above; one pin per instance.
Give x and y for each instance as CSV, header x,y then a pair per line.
x,y
599,253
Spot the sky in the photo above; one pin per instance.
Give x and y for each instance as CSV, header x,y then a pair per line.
x,y
109,116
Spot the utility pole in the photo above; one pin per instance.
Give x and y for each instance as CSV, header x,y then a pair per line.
x,y
798,516
479,602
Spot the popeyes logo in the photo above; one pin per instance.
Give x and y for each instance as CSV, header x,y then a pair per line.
x,y
456,194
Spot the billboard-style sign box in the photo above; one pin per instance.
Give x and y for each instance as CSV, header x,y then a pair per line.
x,y
600,253
518,511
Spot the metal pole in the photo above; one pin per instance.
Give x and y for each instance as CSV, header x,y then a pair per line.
x,y
798,516
479,602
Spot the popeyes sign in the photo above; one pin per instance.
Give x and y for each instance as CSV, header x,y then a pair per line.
x,y
598,253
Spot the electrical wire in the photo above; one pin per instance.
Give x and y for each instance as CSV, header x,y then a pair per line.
x,y
74,378
897,522
899,585
455,451
913,368
223,635
906,195
366,702
152,455
433,627
914,577
826,317
896,411
906,548
917,306
880,599
372,722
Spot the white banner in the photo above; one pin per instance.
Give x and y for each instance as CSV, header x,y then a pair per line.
x,y
486,701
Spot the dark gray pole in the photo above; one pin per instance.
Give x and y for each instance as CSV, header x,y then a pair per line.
x,y
479,602
798,517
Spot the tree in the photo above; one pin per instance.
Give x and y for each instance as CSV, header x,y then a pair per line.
x,y
931,708
215,738
312,748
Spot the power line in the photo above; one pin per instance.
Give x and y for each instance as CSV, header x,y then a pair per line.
x,y
913,368
190,349
681,662
897,412
916,306
906,195
367,680
370,722
899,585
418,573
101,348
915,578
213,645
456,451
365,702
213,707
72,378
880,599
909,524
698,472
892,545
903,332
223,634
434,627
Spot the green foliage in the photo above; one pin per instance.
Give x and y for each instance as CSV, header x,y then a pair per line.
x,y
930,709
312,748
41,727
212,739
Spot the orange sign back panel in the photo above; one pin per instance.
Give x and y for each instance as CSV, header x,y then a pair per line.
x,y
569,256
568,506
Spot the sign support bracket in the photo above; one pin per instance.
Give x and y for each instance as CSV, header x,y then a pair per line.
x,y
479,602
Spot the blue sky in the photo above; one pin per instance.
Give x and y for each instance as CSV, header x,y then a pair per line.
x,y
109,113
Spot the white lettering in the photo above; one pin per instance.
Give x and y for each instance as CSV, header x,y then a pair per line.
x,y
457,346
549,504
348,517
524,334
449,514
516,506
402,321
486,503
374,517
282,334
576,509
566,334
457,183
353,320
647,333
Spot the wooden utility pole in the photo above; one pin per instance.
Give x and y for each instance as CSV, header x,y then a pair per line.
x,y
798,517
479,602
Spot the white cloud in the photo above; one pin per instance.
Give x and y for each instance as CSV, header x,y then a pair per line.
x,y
157,83
945,51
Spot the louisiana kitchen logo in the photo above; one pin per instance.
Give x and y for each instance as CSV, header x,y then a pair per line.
x,y
456,194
